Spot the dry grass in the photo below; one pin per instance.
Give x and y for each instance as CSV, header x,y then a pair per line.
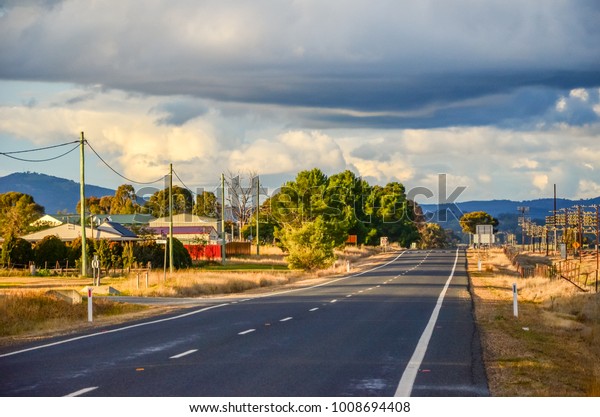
x,y
203,283
552,348
26,312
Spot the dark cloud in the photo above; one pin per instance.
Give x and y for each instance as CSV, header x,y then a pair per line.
x,y
179,112
418,64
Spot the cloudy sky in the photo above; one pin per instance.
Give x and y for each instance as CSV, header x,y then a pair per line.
x,y
503,96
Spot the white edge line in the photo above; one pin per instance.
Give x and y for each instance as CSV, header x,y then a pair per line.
x,y
181,355
120,329
81,392
407,381
193,312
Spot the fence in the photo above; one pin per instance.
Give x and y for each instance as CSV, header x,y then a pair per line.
x,y
565,269
212,252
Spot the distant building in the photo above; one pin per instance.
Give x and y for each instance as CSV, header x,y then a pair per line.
x,y
56,220
127,220
69,232
188,228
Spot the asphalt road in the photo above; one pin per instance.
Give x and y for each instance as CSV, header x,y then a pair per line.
x,y
404,328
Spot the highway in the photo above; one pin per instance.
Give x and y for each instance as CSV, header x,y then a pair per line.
x,y
404,328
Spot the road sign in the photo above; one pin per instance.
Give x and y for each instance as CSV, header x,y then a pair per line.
x,y
95,263
576,245
161,241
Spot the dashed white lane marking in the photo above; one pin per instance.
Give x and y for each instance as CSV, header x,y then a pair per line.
x,y
314,309
405,386
286,319
181,355
81,392
333,301
246,331
349,295
379,286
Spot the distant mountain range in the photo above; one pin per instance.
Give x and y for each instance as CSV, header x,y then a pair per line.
x,y
537,209
54,193
59,194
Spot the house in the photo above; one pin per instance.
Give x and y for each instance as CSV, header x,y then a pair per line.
x,y
69,232
127,220
188,228
56,220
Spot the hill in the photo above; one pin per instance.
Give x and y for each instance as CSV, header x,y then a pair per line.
x,y
54,193
538,209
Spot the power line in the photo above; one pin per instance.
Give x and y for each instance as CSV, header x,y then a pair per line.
x,y
119,174
9,154
182,183
39,149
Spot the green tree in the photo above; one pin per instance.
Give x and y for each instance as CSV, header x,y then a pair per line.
x,y
302,199
469,221
309,245
392,215
344,200
206,205
181,257
158,204
124,201
17,212
128,255
433,236
50,250
16,251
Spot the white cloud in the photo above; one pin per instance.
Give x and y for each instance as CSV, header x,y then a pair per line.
x,y
525,163
580,93
540,181
588,189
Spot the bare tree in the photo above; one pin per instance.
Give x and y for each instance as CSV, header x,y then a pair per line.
x,y
241,196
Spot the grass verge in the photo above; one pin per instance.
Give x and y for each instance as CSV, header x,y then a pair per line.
x,y
552,348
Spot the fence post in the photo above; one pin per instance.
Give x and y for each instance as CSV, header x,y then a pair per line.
x,y
146,280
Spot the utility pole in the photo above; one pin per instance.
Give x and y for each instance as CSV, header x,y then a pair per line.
x,y
171,218
523,210
223,218
555,238
82,206
257,214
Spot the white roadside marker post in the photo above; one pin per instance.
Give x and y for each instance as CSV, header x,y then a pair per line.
x,y
90,305
515,301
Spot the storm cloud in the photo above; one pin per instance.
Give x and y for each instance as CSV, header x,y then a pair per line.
x,y
502,95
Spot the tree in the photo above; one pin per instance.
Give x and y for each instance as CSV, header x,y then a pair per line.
x,y
469,221
181,257
392,215
302,199
158,204
433,236
16,251
206,205
309,246
240,197
50,250
17,212
124,201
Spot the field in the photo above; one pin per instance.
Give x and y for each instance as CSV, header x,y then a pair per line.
x,y
552,348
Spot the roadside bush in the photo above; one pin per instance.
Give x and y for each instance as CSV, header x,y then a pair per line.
x,y
16,251
50,250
